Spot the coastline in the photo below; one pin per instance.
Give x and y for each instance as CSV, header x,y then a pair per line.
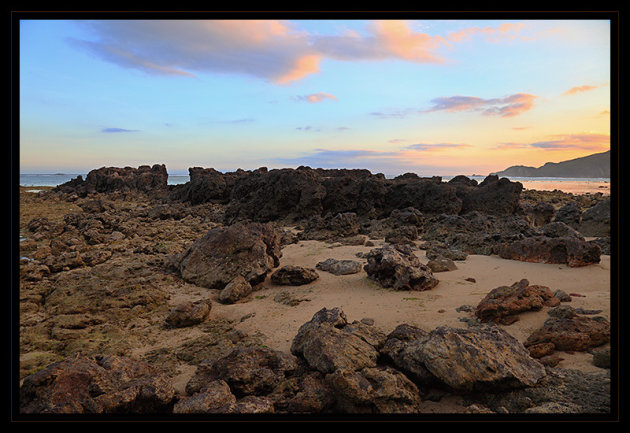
x,y
58,317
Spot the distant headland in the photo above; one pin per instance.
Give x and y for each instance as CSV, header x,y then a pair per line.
x,y
595,165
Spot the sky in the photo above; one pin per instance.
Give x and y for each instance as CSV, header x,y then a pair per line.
x,y
433,97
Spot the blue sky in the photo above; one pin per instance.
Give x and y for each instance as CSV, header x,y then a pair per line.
x,y
432,97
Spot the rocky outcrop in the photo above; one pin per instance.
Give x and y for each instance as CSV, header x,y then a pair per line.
x,y
398,268
249,250
97,385
596,220
543,249
110,179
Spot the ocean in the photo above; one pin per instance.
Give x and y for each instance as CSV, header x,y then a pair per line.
x,y
572,185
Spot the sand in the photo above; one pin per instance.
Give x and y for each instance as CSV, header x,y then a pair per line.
x,y
360,297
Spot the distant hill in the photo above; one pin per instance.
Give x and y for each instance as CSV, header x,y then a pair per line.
x,y
596,165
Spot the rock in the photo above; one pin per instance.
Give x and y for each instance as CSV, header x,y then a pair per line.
x,y
254,370
250,404
540,350
409,216
562,295
540,214
506,301
293,276
400,350
441,264
235,290
340,267
327,343
601,358
249,250
436,252
399,268
576,333
596,220
477,359
109,179
543,249
570,214
559,229
307,393
189,313
214,396
402,235
100,384
493,196
374,390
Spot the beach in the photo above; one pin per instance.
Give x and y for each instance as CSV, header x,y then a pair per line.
x,y
117,274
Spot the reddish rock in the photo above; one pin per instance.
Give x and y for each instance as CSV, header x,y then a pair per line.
x,y
577,333
503,303
294,276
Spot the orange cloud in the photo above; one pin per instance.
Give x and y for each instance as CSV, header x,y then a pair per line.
x,y
577,89
586,141
303,66
509,106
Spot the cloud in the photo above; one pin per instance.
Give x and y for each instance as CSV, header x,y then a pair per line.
x,y
314,98
578,89
424,147
565,142
508,106
110,130
272,50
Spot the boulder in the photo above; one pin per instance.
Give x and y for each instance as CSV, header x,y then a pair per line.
x,y
340,267
572,333
249,250
235,290
397,267
504,302
189,313
441,264
596,220
291,275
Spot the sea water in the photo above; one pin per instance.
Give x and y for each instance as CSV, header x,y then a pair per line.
x,y
566,184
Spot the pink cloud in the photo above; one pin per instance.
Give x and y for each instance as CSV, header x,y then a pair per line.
x,y
273,50
565,142
509,106
314,98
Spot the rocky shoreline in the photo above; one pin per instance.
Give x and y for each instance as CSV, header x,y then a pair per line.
x,y
133,295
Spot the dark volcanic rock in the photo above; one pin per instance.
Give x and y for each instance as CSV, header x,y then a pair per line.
x,y
293,276
224,253
102,384
543,249
109,179
402,235
570,214
493,196
506,301
399,268
596,220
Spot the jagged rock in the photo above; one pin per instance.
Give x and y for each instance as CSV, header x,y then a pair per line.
x,y
109,179
340,267
235,290
307,393
540,214
189,313
576,333
215,395
327,342
477,359
493,196
506,301
254,370
374,390
294,276
596,220
399,349
543,249
100,384
224,253
434,252
402,235
399,268
570,214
